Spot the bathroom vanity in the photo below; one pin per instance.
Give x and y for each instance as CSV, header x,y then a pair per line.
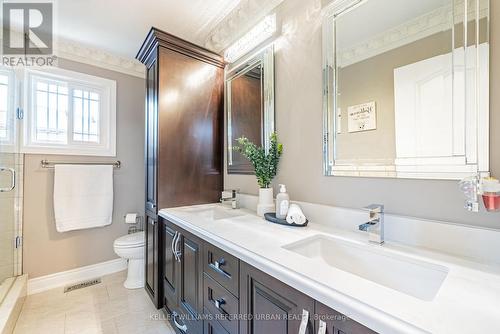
x,y
230,271
210,290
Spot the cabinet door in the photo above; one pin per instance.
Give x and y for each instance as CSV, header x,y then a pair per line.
x,y
152,259
191,284
170,267
151,148
334,322
190,127
272,306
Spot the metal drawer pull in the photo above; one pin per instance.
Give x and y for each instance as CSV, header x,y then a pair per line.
x,y
177,252
219,302
304,322
12,179
216,266
219,263
322,327
172,245
182,328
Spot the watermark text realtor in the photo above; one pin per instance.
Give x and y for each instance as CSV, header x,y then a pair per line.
x,y
28,36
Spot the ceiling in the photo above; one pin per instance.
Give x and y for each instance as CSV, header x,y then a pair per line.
x,y
120,26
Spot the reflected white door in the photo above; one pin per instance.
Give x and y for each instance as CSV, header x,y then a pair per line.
x,y
437,118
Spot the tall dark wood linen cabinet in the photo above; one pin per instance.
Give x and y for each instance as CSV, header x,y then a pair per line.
x,y
184,136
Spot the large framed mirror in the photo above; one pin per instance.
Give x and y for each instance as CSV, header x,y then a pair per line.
x,y
406,93
249,95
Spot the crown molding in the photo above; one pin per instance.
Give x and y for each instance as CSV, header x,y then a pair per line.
x,y
96,57
238,21
411,31
157,37
85,54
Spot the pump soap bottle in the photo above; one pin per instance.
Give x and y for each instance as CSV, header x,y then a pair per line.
x,y
282,203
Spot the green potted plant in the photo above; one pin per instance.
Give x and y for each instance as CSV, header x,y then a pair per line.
x,y
265,166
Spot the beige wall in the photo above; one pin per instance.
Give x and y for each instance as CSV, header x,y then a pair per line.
x,y
45,250
299,124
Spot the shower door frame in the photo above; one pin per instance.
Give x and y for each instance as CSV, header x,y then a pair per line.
x,y
14,159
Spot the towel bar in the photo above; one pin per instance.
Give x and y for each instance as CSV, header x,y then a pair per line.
x,y
50,164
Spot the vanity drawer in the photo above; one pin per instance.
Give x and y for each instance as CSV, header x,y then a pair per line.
x,y
212,326
222,267
221,304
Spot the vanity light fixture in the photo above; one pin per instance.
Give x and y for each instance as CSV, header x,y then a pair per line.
x,y
258,34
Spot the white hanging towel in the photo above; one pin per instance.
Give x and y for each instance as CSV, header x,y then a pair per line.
x,y
83,196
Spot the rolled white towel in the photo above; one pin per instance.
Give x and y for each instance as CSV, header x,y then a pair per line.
x,y
295,215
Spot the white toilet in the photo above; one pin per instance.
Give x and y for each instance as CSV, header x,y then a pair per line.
x,y
131,247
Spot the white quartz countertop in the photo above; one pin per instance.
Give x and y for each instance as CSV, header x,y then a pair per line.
x,y
467,302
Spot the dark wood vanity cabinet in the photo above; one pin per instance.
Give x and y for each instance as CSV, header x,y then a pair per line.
x,y
184,107
152,258
191,281
184,122
153,283
337,323
272,306
183,278
151,131
212,326
207,290
171,266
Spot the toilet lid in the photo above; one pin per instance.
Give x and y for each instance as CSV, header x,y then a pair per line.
x,y
131,240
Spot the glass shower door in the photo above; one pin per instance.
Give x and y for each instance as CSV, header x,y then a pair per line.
x,y
11,190
9,214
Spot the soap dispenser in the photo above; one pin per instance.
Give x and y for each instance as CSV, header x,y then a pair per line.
x,y
282,203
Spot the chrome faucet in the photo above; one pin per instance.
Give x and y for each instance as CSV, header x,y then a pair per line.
x,y
234,200
375,226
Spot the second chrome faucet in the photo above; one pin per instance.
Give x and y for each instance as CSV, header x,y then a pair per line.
x,y
233,199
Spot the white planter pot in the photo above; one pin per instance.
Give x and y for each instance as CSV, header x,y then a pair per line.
x,y
266,201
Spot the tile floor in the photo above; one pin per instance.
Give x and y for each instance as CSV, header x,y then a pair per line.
x,y
104,308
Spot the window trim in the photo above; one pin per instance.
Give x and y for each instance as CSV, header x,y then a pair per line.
x,y
75,80
9,145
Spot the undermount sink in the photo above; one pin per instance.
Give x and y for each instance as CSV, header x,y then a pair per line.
x,y
217,213
413,277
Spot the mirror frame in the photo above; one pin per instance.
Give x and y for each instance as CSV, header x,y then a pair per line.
x,y
331,167
264,57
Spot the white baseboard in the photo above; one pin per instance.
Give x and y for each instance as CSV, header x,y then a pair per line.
x,y
56,280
